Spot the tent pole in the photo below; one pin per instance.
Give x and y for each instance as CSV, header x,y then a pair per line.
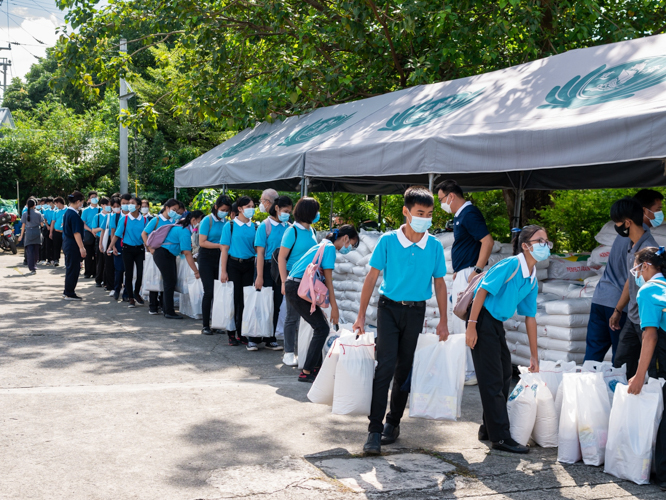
x,y
224,189
330,217
304,187
379,222
175,193
431,181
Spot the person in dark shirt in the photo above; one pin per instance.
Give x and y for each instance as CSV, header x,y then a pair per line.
x,y
471,249
72,244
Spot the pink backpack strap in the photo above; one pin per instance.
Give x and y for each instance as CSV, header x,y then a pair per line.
x,y
319,256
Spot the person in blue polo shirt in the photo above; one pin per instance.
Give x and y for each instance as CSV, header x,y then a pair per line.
x,y
648,274
507,287
116,250
48,218
56,229
411,259
268,239
237,263
72,244
98,223
177,242
129,230
87,216
105,236
343,240
297,240
210,234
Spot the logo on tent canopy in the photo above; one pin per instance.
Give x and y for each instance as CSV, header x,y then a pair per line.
x,y
243,145
420,114
605,85
313,130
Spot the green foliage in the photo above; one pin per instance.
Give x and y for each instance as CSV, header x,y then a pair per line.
x,y
493,208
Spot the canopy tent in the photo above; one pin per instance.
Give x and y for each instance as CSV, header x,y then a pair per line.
x,y
588,118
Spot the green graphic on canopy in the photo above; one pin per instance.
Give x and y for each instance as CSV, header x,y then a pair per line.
x,y
243,145
420,114
602,85
313,130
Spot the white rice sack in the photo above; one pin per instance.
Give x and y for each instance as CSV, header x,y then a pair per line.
x,y
344,267
542,274
354,257
431,323
359,271
339,258
543,264
522,409
568,306
363,249
558,287
446,239
551,373
542,298
497,247
593,281
576,346
495,258
569,269
570,320
547,421
370,238
512,324
599,255
432,312
447,254
506,248
551,355
365,260
516,337
576,292
519,360
607,234
562,332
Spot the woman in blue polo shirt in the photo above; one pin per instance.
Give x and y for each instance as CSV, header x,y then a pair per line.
x,y
210,233
648,272
297,240
508,286
237,263
56,229
342,240
129,229
268,239
97,225
72,244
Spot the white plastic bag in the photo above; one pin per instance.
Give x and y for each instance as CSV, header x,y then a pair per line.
x,y
551,373
612,376
184,271
568,445
305,332
522,409
322,388
352,393
593,416
257,312
152,277
438,378
222,317
632,432
546,424
195,289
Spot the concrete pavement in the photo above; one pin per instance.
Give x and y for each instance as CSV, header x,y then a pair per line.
x,y
99,401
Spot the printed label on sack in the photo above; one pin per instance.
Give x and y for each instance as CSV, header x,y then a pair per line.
x,y
516,392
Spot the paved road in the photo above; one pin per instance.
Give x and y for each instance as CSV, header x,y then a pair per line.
x,y
99,401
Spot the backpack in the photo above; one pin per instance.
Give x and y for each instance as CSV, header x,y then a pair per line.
x,y
312,287
157,237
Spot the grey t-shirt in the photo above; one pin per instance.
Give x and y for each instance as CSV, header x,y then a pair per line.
x,y
32,233
647,240
610,286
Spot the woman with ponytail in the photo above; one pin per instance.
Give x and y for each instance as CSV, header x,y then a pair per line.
x,y
508,286
342,240
31,220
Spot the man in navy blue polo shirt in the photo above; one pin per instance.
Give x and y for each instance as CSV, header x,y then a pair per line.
x,y
410,259
472,245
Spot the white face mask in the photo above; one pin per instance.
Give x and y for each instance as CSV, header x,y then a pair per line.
x,y
116,210
145,210
446,207
262,208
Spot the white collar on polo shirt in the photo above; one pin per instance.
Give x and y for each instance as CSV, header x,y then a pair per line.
x,y
658,276
237,221
135,218
274,222
406,243
467,203
525,269
73,209
299,226
165,219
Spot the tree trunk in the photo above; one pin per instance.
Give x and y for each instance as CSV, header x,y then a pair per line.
x,y
533,200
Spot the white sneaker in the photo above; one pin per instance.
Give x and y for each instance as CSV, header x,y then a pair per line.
x,y
471,380
111,293
252,346
290,359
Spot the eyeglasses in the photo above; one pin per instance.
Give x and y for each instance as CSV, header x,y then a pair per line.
x,y
541,241
636,270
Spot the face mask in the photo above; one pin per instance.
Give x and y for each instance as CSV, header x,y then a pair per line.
x,y
622,231
176,217
316,219
346,250
221,214
420,224
446,207
131,207
94,201
248,212
145,210
640,281
262,208
107,209
172,214
658,218
124,207
283,217
116,210
540,252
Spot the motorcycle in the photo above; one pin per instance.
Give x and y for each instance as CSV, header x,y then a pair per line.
x,y
7,238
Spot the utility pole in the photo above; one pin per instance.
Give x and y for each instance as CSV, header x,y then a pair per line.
x,y
5,63
123,128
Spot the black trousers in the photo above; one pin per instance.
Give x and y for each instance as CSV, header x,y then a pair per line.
x,y
90,262
49,245
109,273
317,320
209,270
72,267
44,247
629,350
398,329
241,273
492,363
166,263
133,255
100,262
277,297
57,245
32,256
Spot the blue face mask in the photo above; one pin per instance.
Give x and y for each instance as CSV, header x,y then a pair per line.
x,y
94,201
640,281
173,214
107,209
316,219
658,219
221,214
346,250
131,207
284,217
420,224
248,212
540,252
177,217
125,208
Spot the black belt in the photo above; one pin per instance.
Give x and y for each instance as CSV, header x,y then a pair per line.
x,y
132,246
241,260
406,303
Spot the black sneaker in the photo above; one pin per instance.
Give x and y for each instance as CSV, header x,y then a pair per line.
x,y
98,285
173,316
233,341
139,301
153,312
116,296
273,346
72,297
243,340
132,304
206,331
511,446
307,377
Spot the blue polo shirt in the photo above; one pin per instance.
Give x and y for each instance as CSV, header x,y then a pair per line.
x,y
99,221
129,230
89,214
273,240
327,262
57,217
178,240
211,227
469,227
651,300
241,244
306,239
507,294
48,216
409,268
71,224
156,222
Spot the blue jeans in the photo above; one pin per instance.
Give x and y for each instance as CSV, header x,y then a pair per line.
x,y
600,337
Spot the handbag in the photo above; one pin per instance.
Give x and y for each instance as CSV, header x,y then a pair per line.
x,y
312,287
465,298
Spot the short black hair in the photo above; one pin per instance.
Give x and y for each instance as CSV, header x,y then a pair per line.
x,y
449,186
243,201
280,202
418,195
90,193
42,199
222,201
115,201
75,196
126,196
49,199
648,197
627,208
346,230
306,210
234,208
59,199
181,204
171,202
104,201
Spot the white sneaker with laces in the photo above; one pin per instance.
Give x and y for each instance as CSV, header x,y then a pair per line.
x,y
471,379
111,293
290,359
252,346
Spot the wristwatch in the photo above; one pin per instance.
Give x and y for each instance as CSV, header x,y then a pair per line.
x,y
478,270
